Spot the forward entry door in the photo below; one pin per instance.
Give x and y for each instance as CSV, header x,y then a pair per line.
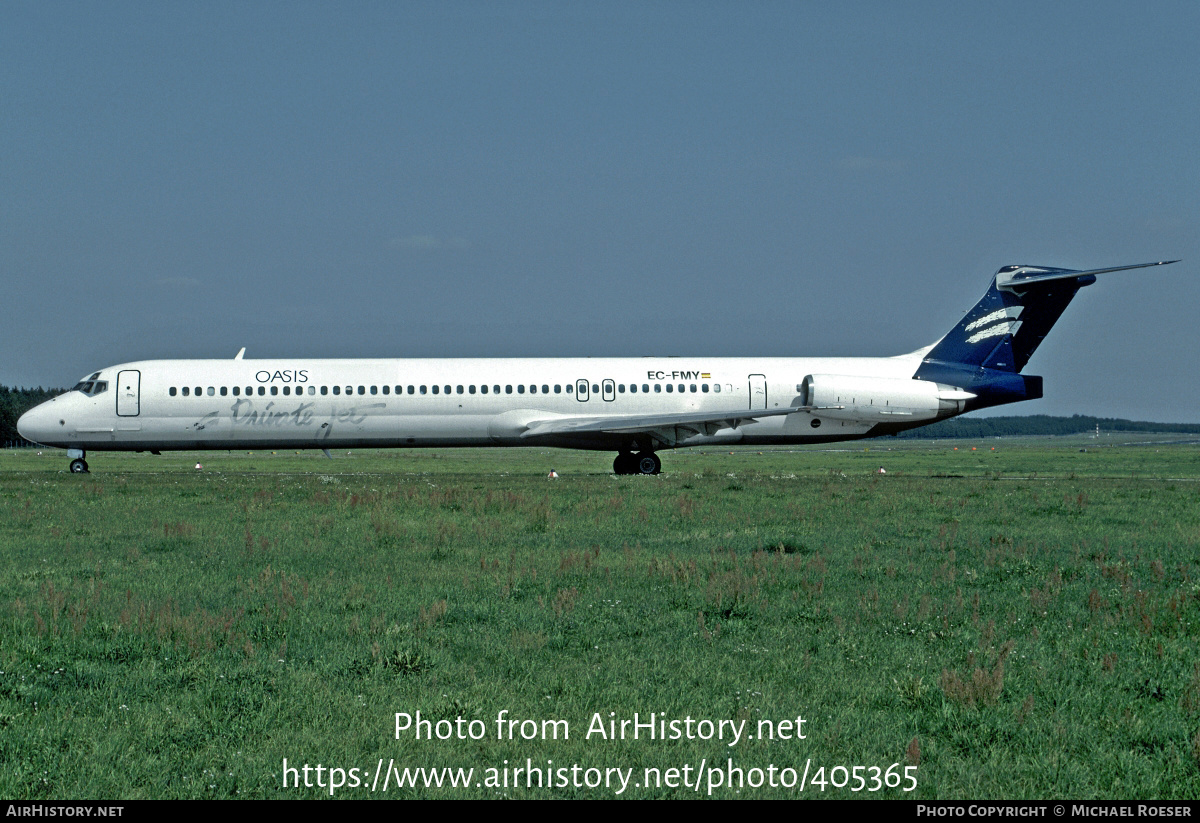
x,y
129,385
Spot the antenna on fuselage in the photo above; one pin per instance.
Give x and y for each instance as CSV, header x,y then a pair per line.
x,y
241,351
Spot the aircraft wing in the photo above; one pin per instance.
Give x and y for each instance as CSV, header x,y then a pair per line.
x,y
664,426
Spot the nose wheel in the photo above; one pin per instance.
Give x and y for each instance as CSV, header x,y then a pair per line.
x,y
640,463
79,466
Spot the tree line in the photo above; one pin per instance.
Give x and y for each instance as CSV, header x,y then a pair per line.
x,y
1037,424
14,403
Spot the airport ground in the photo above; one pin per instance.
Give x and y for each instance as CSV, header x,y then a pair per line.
x,y
1016,618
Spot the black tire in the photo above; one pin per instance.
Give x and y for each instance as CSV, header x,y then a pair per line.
x,y
625,463
648,463
79,466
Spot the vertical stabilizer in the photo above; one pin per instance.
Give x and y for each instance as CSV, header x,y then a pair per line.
x,y
986,351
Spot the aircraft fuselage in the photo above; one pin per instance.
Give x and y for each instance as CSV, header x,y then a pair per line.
x,y
296,403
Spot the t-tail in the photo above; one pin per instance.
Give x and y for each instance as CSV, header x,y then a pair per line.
x,y
985,352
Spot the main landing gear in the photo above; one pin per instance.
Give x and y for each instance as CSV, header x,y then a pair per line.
x,y
640,463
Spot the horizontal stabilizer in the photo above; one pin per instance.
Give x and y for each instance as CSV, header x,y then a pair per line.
x,y
1028,275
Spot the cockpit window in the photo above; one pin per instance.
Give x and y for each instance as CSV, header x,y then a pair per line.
x,y
91,387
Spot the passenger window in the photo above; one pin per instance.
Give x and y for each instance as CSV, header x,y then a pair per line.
x,y
186,391
483,389
568,388
545,389
262,390
533,389
682,389
171,391
658,388
717,388
287,390
312,390
508,389
669,388
198,392
458,389
362,389
412,388
704,387
520,389
620,388
274,390
422,390
595,389
633,388
471,388
447,389
249,391
436,389
224,391
237,391
324,390
558,388
337,389
645,388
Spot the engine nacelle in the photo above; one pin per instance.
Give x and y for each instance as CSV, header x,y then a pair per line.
x,y
880,399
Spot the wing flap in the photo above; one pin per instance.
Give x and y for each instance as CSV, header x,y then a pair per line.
x,y
700,422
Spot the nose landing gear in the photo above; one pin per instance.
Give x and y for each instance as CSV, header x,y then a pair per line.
x,y
641,463
78,464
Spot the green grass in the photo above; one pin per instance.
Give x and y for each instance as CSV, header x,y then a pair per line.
x,y
1017,623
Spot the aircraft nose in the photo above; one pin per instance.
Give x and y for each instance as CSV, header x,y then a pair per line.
x,y
39,424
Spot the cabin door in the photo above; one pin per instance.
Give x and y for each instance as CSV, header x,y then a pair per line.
x,y
758,391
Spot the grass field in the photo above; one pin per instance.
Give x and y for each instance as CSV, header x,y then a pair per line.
x,y
1017,623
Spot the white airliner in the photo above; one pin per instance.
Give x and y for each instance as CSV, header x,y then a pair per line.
x,y
633,406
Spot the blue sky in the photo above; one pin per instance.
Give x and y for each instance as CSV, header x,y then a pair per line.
x,y
464,179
